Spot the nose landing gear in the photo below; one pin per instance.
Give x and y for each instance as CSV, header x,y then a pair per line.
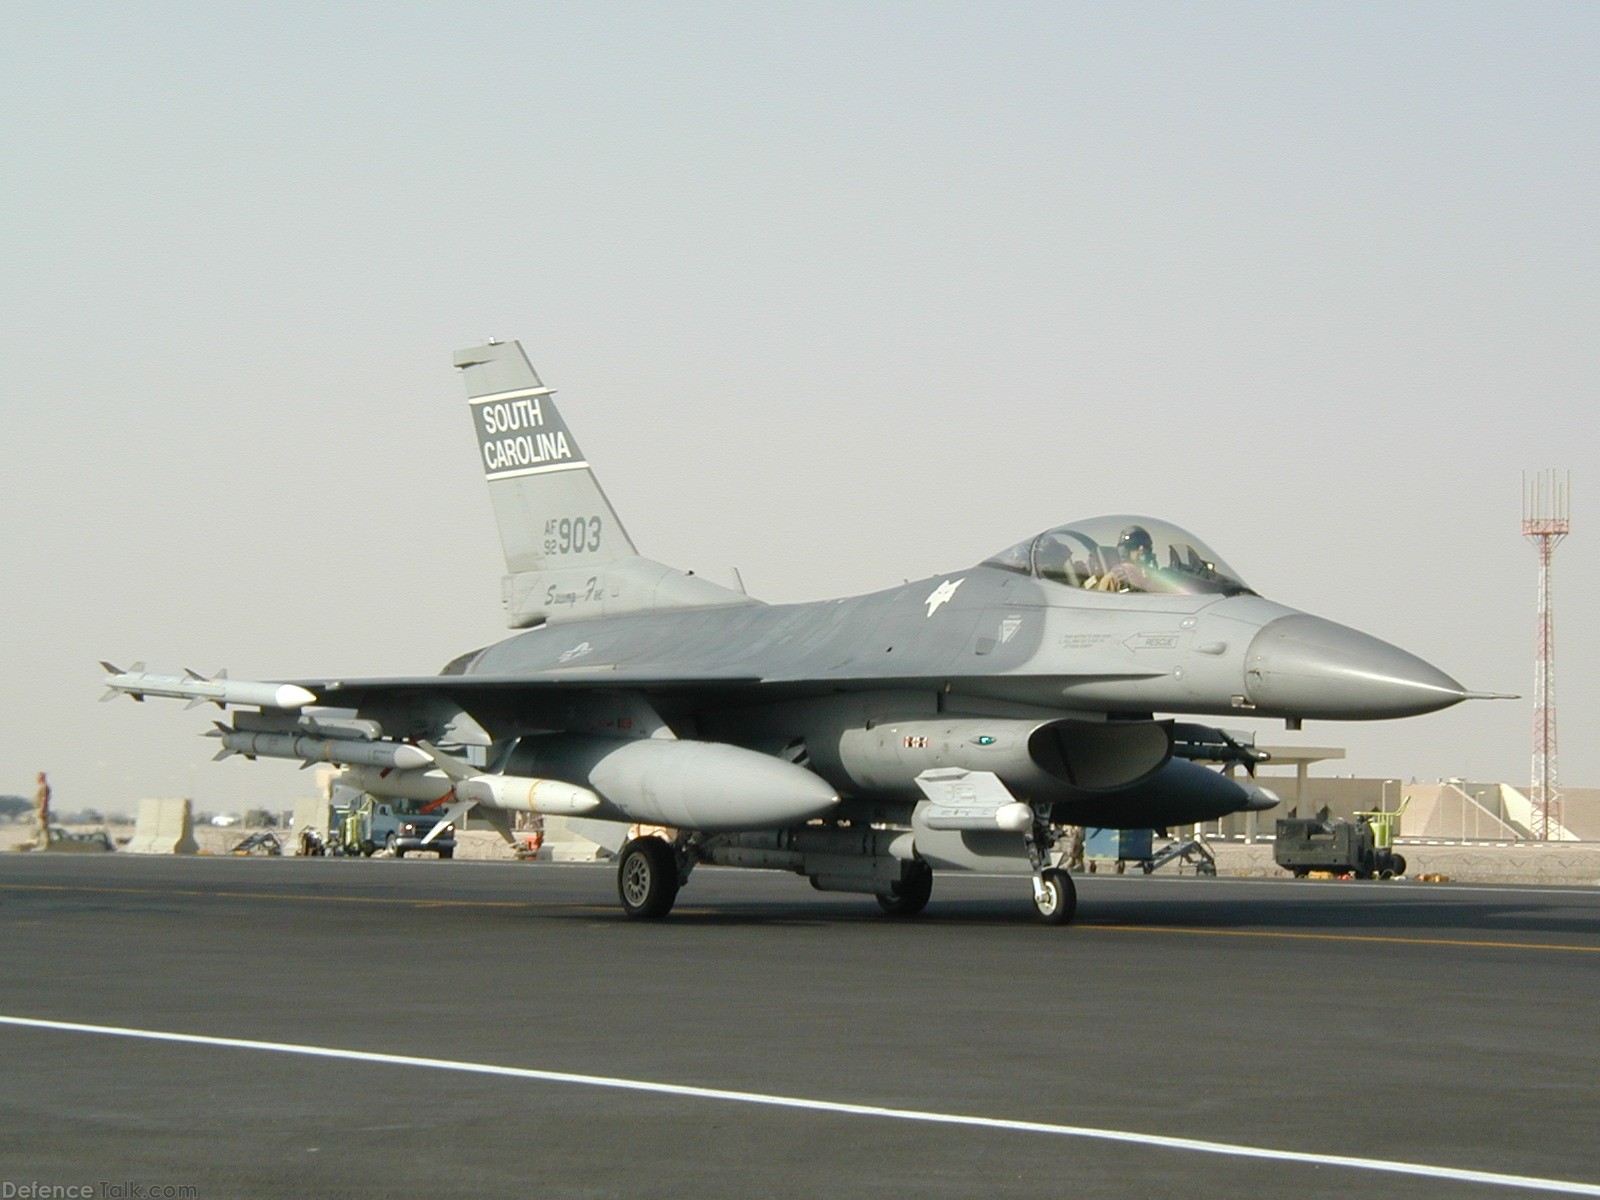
x,y
1055,897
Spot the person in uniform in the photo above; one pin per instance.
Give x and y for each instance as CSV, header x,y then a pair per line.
x,y
41,811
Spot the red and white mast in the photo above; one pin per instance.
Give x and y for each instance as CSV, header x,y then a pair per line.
x,y
1546,520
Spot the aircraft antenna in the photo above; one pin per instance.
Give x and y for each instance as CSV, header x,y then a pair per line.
x,y
1546,521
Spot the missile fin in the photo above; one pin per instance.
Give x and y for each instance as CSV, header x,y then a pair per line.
x,y
454,768
450,816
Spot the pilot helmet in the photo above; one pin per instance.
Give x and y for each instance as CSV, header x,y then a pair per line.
x,y
1135,545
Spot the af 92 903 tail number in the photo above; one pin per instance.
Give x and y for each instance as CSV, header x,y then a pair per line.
x,y
572,535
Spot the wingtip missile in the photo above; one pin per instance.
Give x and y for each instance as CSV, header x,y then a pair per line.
x,y
219,690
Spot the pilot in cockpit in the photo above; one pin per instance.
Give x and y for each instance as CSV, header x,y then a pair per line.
x,y
1136,558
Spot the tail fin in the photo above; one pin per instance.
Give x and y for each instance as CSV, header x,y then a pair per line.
x,y
567,554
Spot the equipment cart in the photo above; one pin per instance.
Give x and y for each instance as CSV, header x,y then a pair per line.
x,y
1118,846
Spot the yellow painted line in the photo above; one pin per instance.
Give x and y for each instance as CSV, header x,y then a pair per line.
x,y
131,891
1283,935
1468,943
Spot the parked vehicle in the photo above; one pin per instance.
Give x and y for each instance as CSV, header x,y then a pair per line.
x,y
1303,845
368,825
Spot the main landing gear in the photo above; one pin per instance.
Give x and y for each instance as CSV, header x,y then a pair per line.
x,y
648,877
910,895
847,858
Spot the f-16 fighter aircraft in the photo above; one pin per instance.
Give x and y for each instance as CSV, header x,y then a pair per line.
x,y
953,723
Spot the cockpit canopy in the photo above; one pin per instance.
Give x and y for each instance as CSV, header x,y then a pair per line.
x,y
1123,554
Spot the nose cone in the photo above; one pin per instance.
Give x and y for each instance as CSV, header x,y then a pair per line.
x,y
1303,666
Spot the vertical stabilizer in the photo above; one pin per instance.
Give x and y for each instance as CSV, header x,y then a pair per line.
x,y
567,554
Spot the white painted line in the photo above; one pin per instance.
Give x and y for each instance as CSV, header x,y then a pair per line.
x,y
1159,1141
516,473
514,394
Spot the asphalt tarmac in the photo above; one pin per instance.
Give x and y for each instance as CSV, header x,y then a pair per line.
x,y
414,1027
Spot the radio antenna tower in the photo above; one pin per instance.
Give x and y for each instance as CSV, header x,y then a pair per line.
x,y
1546,520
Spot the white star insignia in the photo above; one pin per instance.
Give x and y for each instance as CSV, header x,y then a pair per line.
x,y
942,594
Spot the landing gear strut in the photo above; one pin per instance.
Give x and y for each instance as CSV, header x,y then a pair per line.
x,y
1055,897
647,877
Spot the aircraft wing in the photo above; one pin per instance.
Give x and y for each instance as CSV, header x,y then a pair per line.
x,y
480,708
344,693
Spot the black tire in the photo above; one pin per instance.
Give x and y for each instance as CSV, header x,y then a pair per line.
x,y
1398,863
910,895
392,845
647,877
1062,903
448,852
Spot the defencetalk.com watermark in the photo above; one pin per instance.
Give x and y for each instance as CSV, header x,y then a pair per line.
x,y
102,1189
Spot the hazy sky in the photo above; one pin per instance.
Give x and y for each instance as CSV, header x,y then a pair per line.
x,y
840,294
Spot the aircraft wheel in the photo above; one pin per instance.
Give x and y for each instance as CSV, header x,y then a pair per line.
x,y
1060,901
647,877
910,895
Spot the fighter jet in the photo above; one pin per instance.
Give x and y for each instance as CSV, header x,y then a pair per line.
x,y
955,723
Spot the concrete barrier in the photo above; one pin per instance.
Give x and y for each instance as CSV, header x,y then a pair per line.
x,y
163,827
566,840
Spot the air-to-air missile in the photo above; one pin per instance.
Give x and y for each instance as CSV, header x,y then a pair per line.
x,y
395,756
200,689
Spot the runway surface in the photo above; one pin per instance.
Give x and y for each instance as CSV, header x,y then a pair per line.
x,y
372,1028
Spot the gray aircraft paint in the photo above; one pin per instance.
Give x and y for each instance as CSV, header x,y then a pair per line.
x,y
676,701
635,637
